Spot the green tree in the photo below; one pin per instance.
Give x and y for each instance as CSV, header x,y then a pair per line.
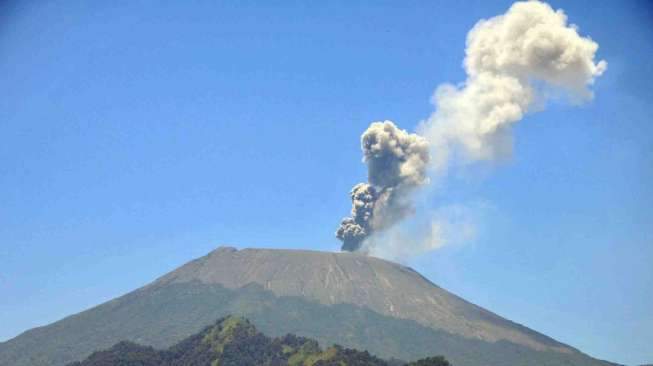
x,y
430,361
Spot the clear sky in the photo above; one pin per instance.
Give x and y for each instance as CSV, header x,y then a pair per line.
x,y
137,135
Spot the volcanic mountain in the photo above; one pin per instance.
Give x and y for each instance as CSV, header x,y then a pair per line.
x,y
345,298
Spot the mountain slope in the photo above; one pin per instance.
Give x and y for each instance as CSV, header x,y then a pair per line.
x,y
344,298
348,278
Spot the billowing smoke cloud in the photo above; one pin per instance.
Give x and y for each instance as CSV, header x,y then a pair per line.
x,y
396,165
514,63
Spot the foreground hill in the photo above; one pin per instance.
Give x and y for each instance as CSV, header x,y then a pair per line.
x,y
233,341
357,301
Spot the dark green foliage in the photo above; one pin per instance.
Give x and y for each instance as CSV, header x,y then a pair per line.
x,y
351,357
125,354
232,341
431,361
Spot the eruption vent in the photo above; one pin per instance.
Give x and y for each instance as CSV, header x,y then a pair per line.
x,y
514,63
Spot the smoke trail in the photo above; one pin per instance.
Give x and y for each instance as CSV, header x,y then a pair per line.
x,y
513,63
447,225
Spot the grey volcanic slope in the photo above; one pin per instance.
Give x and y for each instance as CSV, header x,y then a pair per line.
x,y
348,278
344,298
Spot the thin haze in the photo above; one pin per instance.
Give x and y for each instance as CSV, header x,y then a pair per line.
x,y
514,63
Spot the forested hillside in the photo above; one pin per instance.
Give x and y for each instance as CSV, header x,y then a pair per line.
x,y
234,341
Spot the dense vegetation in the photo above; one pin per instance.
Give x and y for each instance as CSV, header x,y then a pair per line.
x,y
233,341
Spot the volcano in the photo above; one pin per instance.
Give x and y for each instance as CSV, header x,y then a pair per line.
x,y
344,298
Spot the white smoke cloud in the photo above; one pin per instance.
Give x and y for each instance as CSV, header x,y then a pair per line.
x,y
451,225
513,63
511,60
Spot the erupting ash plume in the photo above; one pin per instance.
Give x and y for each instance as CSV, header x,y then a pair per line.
x,y
396,165
514,63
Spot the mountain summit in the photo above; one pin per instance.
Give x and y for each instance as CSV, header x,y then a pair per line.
x,y
346,298
348,278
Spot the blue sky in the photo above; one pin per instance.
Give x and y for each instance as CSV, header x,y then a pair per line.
x,y
139,135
